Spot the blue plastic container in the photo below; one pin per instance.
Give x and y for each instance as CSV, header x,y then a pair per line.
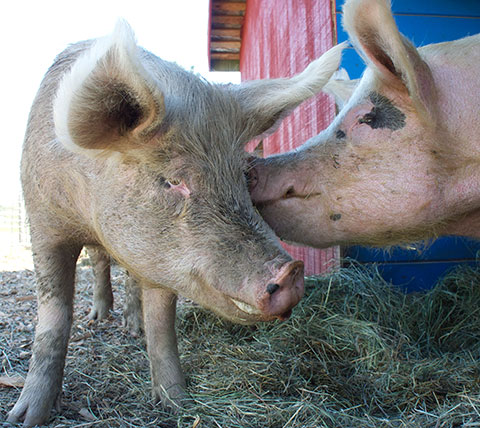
x,y
418,267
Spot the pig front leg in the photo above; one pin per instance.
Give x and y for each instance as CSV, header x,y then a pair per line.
x,y
159,310
132,312
102,292
55,268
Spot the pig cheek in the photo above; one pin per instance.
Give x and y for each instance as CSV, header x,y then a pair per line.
x,y
171,200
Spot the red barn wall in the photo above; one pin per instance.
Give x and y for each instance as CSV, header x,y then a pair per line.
x,y
279,39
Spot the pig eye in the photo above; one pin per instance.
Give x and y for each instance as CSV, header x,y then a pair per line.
x,y
173,182
369,118
168,184
175,185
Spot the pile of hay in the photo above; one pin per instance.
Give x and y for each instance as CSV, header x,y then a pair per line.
x,y
356,353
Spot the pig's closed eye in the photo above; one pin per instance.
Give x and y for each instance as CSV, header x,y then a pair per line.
x,y
384,114
369,118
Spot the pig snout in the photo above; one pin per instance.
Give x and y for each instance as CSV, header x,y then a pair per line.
x,y
276,297
264,188
283,292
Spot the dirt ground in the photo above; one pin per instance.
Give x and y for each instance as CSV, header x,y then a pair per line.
x,y
355,354
94,346
93,342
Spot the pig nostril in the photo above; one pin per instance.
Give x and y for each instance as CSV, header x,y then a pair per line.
x,y
271,288
289,193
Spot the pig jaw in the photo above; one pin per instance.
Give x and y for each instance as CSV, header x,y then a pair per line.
x,y
320,228
272,297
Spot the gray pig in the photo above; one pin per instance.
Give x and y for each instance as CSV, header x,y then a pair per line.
x,y
399,162
133,154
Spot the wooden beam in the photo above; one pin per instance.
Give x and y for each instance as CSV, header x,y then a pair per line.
x,y
225,46
230,8
227,21
225,33
224,56
233,34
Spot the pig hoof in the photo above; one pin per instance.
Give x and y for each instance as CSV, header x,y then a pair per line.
x,y
100,311
30,411
174,400
133,324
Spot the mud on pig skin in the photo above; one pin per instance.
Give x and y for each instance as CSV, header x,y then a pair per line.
x,y
134,155
400,162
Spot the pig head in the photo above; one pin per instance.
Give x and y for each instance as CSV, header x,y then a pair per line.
x,y
132,154
400,162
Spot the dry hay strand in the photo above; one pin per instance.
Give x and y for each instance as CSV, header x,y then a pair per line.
x,y
357,352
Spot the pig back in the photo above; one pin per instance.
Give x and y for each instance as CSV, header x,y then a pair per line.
x,y
56,183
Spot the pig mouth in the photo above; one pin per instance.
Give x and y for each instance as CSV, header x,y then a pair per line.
x,y
245,307
250,310
289,194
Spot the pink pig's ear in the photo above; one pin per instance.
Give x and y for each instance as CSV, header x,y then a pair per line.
x,y
373,32
105,102
265,103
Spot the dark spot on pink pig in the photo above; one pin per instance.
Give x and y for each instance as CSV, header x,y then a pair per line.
x,y
384,114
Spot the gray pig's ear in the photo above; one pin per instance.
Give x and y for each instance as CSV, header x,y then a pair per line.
x,y
373,32
107,101
340,87
265,103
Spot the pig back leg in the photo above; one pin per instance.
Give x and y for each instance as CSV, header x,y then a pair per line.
x,y
132,312
159,310
55,269
102,292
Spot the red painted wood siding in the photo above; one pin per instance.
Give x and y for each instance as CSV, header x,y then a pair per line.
x,y
280,38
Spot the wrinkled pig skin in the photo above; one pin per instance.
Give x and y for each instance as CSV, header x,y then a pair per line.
x,y
132,154
400,162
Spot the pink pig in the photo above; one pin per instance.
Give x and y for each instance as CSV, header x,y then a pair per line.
x,y
400,161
